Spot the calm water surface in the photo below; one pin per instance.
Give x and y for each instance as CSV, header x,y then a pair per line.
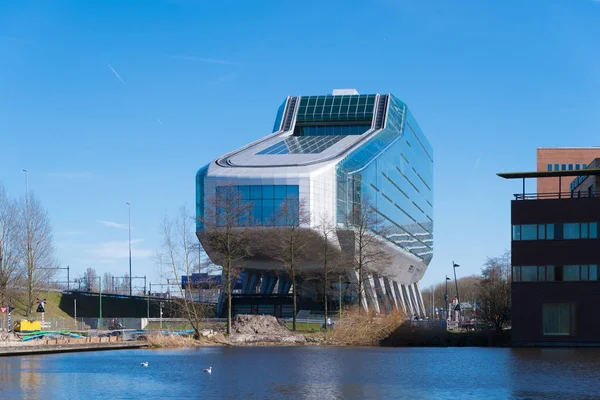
x,y
306,373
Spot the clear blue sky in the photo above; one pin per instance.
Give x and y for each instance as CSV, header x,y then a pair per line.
x,y
106,102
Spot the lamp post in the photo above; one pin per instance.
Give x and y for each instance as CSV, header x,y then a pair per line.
x,y
446,298
130,280
454,266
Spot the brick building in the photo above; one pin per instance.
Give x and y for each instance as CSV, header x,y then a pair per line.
x,y
555,260
562,159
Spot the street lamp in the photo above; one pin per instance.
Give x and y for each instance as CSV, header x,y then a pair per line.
x,y
454,266
130,280
446,298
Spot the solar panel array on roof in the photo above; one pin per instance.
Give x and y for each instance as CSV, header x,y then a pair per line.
x,y
302,145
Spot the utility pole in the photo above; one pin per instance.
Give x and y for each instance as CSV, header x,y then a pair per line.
x,y
446,298
454,266
130,285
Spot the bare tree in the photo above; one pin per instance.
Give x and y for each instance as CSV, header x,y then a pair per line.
x,y
90,280
368,253
9,249
227,234
468,286
329,257
292,238
179,254
495,291
108,283
38,248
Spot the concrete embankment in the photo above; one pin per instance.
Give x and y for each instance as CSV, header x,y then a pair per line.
x,y
67,348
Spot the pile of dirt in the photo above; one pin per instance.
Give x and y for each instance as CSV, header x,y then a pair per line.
x,y
256,329
259,325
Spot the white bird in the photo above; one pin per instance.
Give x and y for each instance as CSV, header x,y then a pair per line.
x,y
144,364
207,370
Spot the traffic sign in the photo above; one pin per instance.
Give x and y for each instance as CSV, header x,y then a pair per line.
x,y
41,304
4,309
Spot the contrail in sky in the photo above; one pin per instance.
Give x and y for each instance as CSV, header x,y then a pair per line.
x,y
116,74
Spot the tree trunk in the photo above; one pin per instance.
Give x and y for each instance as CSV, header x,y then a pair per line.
x,y
294,298
228,291
325,294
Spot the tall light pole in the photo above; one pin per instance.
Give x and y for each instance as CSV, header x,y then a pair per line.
x,y
130,280
454,266
446,298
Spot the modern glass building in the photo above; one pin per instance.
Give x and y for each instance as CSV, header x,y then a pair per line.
x,y
331,153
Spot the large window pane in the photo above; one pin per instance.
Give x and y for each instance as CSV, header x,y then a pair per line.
x,y
528,232
571,273
542,232
257,212
550,231
516,274
584,230
557,319
593,272
541,273
256,192
584,272
529,274
268,211
292,191
268,192
516,232
244,192
571,231
549,272
593,230
280,192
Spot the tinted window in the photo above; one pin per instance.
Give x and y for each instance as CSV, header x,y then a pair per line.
x,y
571,273
529,274
571,231
528,232
516,232
549,231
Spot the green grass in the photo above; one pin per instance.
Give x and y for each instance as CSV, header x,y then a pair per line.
x,y
52,308
306,326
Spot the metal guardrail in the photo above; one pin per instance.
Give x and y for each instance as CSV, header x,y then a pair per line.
x,y
556,195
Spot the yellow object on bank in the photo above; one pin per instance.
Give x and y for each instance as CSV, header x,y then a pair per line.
x,y
28,325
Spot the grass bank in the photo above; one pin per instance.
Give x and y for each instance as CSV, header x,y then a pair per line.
x,y
413,335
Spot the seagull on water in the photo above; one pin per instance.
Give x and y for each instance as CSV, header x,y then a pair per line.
x,y
207,370
144,364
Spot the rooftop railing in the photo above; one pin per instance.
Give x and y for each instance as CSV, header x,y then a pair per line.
x,y
556,195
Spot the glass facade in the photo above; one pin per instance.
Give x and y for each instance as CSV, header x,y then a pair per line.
x,y
394,171
331,130
569,230
279,116
302,145
268,205
336,108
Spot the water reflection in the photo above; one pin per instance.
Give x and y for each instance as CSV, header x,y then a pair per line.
x,y
307,373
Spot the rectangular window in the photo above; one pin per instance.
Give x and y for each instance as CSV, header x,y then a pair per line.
x,y
584,273
541,273
571,273
577,166
541,232
529,274
593,272
558,319
556,167
268,192
570,167
516,274
584,230
516,232
529,232
563,167
256,192
593,230
549,167
280,192
550,272
549,231
571,231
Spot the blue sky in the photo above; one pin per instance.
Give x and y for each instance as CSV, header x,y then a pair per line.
x,y
108,102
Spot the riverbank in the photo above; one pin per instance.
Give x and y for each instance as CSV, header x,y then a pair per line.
x,y
47,348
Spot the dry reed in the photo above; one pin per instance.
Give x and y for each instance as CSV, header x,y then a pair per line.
x,y
359,329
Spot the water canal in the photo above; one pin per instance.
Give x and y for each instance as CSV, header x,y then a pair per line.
x,y
306,373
